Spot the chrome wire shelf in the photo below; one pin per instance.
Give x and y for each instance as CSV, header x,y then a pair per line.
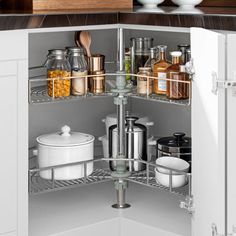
x,y
38,90
40,185
39,94
161,99
102,173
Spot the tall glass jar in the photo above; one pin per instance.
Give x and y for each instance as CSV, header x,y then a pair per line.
x,y
58,69
79,69
160,71
177,90
139,54
144,84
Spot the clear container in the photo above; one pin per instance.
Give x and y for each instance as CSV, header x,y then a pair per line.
x,y
128,64
139,54
79,69
184,48
153,58
160,71
144,85
177,90
58,69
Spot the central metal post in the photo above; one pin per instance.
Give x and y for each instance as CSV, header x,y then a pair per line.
x,y
121,173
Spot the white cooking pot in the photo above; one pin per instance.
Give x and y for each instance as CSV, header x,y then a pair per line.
x,y
63,148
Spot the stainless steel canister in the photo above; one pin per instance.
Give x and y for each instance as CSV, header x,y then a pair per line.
x,y
136,144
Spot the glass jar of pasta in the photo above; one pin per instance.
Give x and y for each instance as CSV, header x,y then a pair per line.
x,y
58,73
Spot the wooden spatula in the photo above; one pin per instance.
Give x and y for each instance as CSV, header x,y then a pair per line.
x,y
85,40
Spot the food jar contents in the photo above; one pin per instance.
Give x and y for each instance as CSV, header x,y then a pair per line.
x,y
184,49
177,90
127,65
144,84
78,70
152,58
97,83
139,54
58,69
160,71
96,67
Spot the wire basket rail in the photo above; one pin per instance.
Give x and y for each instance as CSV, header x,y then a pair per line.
x,y
102,173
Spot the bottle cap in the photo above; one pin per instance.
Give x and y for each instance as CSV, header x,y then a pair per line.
x,y
176,54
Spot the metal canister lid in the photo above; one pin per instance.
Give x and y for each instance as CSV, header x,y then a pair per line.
x,y
177,143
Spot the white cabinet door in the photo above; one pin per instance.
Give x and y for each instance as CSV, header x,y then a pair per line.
x,y
208,132
231,133
8,154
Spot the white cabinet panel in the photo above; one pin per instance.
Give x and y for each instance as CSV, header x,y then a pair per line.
x,y
9,234
208,132
13,45
231,133
8,154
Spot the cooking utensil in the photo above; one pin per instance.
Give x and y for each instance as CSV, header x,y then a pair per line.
x,y
85,40
63,148
177,146
77,38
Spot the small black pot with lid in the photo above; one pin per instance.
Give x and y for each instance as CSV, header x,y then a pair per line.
x,y
177,146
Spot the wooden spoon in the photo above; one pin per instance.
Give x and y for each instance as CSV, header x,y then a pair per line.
x,y
77,39
85,40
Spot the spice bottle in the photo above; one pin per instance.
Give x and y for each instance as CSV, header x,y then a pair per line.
x,y
152,58
144,84
78,70
184,48
160,71
58,69
128,65
177,90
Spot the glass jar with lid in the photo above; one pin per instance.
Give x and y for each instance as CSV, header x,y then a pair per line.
x,y
79,69
144,84
139,54
58,71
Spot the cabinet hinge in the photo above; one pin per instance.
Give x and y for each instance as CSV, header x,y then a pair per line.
x,y
215,233
187,204
218,84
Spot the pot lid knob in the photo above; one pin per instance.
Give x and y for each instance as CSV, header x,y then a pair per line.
x,y
179,136
65,131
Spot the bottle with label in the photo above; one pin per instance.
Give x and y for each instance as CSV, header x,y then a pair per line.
x,y
177,90
79,69
152,59
160,71
128,65
144,84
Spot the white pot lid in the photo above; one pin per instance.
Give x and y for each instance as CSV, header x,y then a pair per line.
x,y
65,138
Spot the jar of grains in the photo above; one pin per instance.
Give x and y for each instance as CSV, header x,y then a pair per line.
x,y
58,71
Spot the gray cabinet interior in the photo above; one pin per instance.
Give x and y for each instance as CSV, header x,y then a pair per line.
x,y
85,115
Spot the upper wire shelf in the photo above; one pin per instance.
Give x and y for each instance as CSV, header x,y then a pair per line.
x,y
38,89
102,173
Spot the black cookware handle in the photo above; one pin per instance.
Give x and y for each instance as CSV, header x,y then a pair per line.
x,y
179,136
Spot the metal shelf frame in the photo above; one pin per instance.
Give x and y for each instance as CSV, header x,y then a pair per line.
x,y
38,90
102,173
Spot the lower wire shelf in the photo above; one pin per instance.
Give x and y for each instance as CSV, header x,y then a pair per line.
x,y
102,173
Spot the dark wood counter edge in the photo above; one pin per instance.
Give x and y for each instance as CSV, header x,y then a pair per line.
x,y
208,20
